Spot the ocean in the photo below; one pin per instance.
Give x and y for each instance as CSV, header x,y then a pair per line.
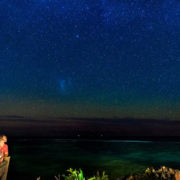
x,y
46,158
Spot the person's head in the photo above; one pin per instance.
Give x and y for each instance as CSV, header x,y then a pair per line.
x,y
1,142
4,138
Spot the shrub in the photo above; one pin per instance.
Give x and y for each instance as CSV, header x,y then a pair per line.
x,y
74,175
98,177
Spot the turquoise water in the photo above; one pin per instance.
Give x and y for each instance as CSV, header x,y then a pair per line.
x,y
47,157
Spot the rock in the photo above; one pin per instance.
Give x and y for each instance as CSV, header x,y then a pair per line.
x,y
171,171
162,173
156,175
164,169
153,170
163,176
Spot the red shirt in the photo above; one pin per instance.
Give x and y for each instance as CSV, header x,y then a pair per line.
x,y
5,149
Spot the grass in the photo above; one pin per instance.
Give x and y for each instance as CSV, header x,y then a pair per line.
x,y
163,173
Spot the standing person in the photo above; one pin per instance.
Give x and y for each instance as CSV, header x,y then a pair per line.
x,y
5,146
3,163
6,157
1,149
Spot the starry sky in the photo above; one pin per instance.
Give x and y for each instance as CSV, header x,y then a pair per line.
x,y
89,58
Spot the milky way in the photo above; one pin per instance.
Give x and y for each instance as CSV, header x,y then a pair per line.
x,y
90,58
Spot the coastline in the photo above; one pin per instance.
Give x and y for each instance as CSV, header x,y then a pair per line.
x,y
33,157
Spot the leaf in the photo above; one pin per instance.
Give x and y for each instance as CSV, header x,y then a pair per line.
x,y
81,175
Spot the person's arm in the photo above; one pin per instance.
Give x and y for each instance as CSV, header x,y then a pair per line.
x,y
6,152
1,157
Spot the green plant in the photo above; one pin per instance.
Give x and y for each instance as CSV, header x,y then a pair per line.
x,y
78,175
74,175
98,177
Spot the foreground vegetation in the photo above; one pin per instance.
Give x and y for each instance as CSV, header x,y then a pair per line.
x,y
78,175
163,173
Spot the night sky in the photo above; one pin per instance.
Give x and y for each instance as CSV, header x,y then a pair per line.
x,y
90,58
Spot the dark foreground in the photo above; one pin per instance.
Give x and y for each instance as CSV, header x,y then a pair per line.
x,y
31,158
163,173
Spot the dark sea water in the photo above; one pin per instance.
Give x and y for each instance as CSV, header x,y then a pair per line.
x,y
48,157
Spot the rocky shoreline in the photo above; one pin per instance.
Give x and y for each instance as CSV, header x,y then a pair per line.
x,y
164,173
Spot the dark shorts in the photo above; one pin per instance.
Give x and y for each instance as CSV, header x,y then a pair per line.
x,y
3,163
4,168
